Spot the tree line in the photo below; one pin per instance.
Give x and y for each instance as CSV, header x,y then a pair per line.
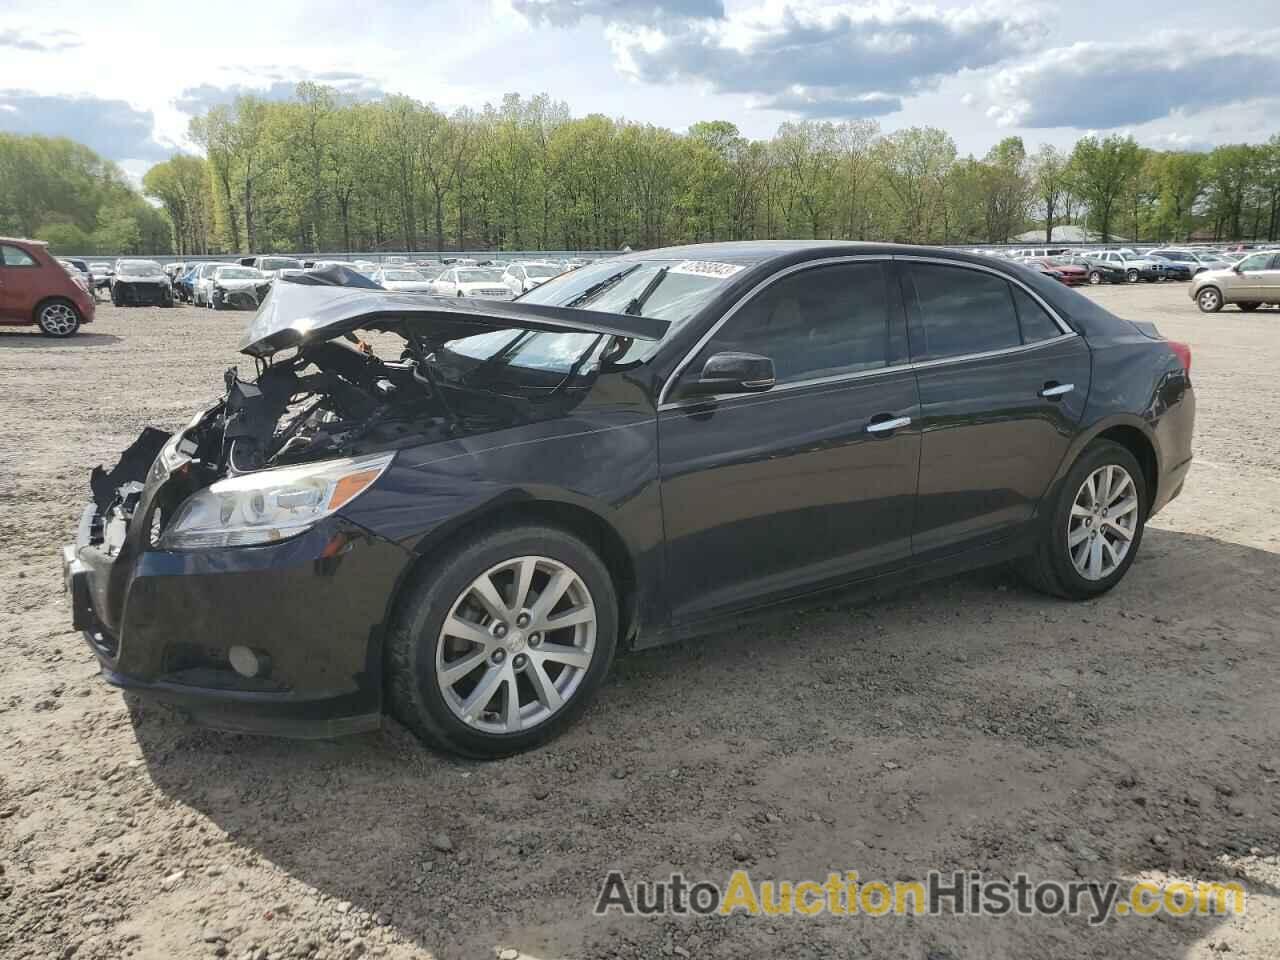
x,y
322,173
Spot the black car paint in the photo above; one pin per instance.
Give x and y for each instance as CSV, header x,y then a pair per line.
x,y
698,518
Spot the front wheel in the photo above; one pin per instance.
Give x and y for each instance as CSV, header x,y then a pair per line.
x,y
1095,277
1209,300
1132,276
58,318
1094,527
502,641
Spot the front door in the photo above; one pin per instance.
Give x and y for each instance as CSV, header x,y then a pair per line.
x,y
1002,387
810,483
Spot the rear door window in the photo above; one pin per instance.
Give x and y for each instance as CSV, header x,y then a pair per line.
x,y
957,311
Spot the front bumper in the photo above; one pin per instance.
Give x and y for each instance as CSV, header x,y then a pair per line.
x,y
138,294
311,609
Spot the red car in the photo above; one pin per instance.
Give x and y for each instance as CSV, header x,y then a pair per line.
x,y
36,289
1069,273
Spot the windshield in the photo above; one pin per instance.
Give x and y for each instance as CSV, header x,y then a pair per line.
x,y
238,273
402,275
474,275
542,270
137,268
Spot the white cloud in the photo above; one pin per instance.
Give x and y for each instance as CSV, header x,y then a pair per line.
x,y
562,13
846,60
1108,83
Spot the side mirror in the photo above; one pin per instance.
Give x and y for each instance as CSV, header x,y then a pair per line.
x,y
732,373
1235,268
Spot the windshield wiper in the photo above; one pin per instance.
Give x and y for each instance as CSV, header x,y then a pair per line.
x,y
637,302
596,289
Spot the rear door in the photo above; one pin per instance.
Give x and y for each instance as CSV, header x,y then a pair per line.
x,y
1002,386
1271,281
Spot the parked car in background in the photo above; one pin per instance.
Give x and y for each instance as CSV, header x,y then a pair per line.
x,y
273,265
202,283
483,282
36,289
183,286
102,274
1172,269
78,268
1249,284
401,278
640,450
1197,261
140,283
522,277
232,287
1096,271
1073,275
1135,268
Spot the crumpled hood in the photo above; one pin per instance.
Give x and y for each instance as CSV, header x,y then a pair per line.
x,y
319,305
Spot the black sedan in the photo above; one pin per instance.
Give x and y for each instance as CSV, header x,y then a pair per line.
x,y
1100,271
464,531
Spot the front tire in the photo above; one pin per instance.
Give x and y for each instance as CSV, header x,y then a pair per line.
x,y
501,643
1095,277
1095,525
58,318
1132,276
1209,300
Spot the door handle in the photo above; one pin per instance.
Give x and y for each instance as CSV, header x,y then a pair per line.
x,y
888,426
1052,390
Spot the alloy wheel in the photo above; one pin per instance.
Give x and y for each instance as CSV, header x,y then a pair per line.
x,y
1095,278
1210,300
59,320
1103,522
516,645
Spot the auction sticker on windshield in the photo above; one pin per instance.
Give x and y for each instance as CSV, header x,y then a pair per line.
x,y
706,268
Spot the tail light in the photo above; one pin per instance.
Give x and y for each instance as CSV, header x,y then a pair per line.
x,y
1183,350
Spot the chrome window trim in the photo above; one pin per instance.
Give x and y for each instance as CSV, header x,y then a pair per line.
x,y
1067,331
837,378
742,301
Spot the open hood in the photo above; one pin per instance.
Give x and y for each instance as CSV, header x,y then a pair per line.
x,y
319,305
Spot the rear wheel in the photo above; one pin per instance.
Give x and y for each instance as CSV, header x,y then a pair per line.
x,y
502,641
1249,306
1209,299
58,318
1094,526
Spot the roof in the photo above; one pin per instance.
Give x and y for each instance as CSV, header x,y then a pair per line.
x,y
39,243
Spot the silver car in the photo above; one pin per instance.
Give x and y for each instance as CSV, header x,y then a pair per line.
x,y
1253,281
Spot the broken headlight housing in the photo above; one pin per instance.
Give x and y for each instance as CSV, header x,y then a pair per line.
x,y
270,505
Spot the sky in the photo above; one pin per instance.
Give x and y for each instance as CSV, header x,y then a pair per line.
x,y
1183,74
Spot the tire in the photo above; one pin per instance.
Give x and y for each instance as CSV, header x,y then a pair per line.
x,y
167,299
1095,277
116,300
1051,568
417,647
1132,276
58,318
1209,299
213,303
1249,306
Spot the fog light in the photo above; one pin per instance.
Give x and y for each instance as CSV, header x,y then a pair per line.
x,y
245,661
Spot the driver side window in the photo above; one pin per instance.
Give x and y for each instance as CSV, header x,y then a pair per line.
x,y
1257,261
821,322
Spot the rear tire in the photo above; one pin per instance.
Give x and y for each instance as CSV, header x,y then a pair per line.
x,y
1249,306
418,644
1051,569
58,318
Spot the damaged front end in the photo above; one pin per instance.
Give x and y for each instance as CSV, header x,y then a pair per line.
x,y
216,567
241,296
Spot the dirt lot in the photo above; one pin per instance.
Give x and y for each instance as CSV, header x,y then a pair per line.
x,y
972,725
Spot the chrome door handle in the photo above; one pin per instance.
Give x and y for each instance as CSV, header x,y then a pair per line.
x,y
1057,390
884,426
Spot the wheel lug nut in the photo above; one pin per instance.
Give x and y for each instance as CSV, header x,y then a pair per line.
x,y
500,630
522,620
535,639
520,661
499,656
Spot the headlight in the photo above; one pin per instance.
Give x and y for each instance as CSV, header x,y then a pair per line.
x,y
270,505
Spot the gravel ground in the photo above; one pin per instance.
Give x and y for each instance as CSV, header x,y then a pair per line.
x,y
969,725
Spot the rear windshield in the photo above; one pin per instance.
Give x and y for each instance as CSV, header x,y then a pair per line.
x,y
137,268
